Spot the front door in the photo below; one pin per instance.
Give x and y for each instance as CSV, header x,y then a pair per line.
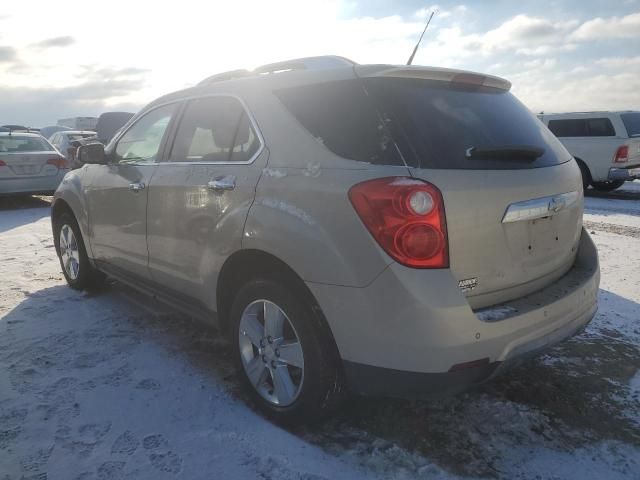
x,y
117,193
200,197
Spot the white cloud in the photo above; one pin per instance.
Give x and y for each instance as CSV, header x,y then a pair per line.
x,y
619,62
613,27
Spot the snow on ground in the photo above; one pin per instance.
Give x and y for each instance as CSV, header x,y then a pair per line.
x,y
113,385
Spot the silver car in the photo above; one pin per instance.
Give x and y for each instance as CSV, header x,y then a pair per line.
x,y
63,141
387,230
29,164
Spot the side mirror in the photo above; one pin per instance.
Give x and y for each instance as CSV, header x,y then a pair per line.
x,y
92,153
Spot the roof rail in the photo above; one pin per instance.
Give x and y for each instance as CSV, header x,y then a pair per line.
x,y
307,63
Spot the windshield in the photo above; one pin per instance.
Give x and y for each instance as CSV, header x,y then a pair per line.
x,y
632,123
19,144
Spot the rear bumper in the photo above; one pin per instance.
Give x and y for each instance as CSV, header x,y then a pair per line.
x,y
629,173
33,185
408,333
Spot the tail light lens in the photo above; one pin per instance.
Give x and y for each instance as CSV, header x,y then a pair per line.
x,y
59,162
622,154
2,164
406,217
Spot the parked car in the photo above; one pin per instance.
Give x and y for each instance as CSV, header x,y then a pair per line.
x,y
29,164
606,145
64,142
47,132
391,230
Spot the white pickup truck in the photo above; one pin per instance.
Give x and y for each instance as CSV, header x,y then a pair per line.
x,y
606,145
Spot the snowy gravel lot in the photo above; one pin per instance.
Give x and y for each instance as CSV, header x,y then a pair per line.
x,y
113,385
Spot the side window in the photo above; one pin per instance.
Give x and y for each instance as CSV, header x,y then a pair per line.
x,y
600,127
141,143
569,128
54,139
215,129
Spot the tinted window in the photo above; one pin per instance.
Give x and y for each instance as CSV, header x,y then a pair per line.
x,y
589,127
17,144
568,128
141,143
215,129
435,123
341,117
600,127
631,123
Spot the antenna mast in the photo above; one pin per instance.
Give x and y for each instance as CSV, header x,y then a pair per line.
x,y
413,54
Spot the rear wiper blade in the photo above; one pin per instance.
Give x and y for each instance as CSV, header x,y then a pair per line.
x,y
526,153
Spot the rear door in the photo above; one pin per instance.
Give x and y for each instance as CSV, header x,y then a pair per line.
x,y
199,198
117,193
591,139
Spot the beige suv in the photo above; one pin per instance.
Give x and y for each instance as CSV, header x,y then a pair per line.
x,y
389,230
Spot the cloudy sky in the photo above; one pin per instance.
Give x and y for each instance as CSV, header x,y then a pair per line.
x,y
70,58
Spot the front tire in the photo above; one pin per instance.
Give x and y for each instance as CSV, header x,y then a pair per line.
x,y
607,186
282,353
76,268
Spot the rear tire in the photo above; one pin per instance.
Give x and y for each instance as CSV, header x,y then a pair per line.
x,y
311,376
586,175
75,264
607,186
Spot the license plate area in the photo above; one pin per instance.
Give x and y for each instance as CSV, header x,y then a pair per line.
x,y
26,169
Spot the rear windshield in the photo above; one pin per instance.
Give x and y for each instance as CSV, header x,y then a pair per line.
x,y
631,123
420,123
79,136
18,144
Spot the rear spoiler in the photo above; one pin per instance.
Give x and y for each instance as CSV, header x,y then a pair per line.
x,y
433,73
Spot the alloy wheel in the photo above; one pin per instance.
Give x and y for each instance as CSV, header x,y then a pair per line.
x,y
69,252
271,352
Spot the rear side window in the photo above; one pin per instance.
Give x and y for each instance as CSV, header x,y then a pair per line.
x,y
215,129
19,144
341,117
582,127
631,123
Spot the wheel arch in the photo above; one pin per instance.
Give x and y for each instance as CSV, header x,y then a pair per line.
x,y
62,205
584,168
246,264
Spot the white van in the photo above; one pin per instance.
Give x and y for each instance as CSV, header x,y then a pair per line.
x,y
606,145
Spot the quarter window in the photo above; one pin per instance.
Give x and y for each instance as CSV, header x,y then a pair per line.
x,y
215,129
141,143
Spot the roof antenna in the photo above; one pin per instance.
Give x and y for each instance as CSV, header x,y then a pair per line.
x,y
413,54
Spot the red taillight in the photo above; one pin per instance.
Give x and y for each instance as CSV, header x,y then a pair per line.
x,y
2,164
59,162
406,217
622,154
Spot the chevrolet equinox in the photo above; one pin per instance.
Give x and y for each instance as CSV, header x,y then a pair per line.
x,y
388,230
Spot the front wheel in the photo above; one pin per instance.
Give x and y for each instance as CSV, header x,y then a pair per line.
x,y
283,354
607,186
76,268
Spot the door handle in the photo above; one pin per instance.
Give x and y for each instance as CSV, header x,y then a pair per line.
x,y
136,186
220,184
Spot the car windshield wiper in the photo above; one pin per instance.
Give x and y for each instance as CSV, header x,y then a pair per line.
x,y
527,153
